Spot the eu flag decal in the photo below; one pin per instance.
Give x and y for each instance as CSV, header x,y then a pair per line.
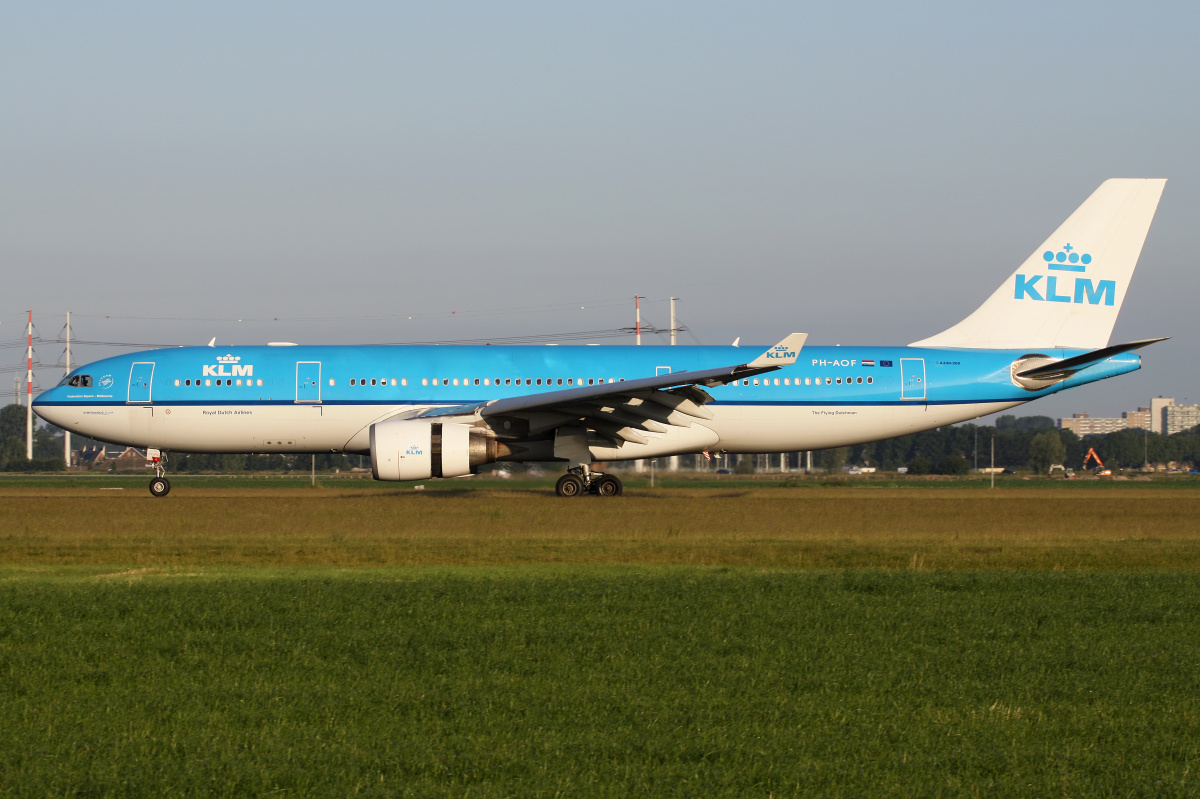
x,y
885,363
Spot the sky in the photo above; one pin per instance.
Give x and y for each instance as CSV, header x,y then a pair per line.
x,y
392,172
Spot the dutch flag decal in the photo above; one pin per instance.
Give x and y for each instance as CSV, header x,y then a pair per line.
x,y
868,363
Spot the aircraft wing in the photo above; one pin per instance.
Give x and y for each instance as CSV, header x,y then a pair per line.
x,y
620,410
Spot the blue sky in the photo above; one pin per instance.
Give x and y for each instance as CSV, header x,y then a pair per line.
x,y
866,173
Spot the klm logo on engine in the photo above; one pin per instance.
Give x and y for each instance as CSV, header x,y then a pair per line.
x,y
1084,290
228,366
414,449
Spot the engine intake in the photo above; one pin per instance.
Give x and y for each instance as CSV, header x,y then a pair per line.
x,y
414,449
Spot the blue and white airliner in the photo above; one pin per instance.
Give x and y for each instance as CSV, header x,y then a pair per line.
x,y
423,412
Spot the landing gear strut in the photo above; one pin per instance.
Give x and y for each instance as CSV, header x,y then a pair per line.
x,y
582,480
160,486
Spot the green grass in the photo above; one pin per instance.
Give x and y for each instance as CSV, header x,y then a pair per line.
x,y
239,524
596,681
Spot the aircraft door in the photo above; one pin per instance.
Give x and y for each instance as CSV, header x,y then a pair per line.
x,y
141,376
912,378
308,381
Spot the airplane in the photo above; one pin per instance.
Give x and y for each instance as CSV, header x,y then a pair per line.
x,y
423,412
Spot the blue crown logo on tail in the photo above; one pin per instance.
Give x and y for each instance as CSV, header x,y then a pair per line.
x,y
1067,260
1084,290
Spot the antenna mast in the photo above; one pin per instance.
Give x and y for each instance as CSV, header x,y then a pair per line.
x,y
67,433
673,321
29,391
637,304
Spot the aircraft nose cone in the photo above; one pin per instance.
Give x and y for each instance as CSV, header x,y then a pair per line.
x,y
43,406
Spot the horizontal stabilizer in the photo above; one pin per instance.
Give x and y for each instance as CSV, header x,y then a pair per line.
x,y
1070,365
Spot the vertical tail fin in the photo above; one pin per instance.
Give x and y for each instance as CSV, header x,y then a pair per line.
x,y
1068,293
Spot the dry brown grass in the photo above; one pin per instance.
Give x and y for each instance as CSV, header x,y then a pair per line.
x,y
1068,529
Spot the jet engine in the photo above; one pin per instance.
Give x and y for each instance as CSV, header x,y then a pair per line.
x,y
416,449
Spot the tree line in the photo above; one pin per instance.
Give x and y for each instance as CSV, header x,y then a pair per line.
x,y
1021,442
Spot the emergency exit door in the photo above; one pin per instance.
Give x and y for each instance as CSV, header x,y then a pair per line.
x,y
308,381
141,377
912,378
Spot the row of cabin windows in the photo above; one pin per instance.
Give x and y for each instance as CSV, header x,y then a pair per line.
x,y
529,381
219,382
487,381
808,381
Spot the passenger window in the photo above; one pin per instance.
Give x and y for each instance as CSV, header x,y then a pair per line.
x,y
354,381
207,382
539,381
403,381
446,381
560,381
373,382
839,381
858,380
187,382
239,381
808,381
487,381
424,381
260,381
745,382
570,381
477,381
777,381
529,381
870,380
829,381
787,381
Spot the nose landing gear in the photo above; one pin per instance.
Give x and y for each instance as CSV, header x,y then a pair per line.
x,y
160,486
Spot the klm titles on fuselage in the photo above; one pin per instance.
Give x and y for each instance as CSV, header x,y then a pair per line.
x,y
228,366
1083,290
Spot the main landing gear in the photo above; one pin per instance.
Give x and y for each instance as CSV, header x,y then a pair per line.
x,y
581,480
160,486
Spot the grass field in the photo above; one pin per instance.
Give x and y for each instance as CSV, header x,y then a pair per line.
x,y
472,642
1121,528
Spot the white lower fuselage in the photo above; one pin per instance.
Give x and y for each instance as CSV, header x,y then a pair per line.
x,y
345,428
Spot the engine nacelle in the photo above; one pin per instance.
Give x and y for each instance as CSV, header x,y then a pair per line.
x,y
416,449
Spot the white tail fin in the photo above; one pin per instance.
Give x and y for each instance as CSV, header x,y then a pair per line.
x,y
1068,293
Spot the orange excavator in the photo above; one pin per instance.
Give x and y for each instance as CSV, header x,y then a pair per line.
x,y
1099,470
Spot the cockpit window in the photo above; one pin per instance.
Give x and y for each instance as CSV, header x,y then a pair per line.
x,y
80,381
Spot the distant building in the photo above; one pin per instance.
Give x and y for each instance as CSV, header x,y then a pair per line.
x,y
1081,424
1153,418
1158,416
1137,420
1177,418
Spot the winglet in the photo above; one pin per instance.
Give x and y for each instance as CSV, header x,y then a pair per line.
x,y
784,353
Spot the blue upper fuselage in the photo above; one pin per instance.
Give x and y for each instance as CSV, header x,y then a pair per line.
x,y
457,375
